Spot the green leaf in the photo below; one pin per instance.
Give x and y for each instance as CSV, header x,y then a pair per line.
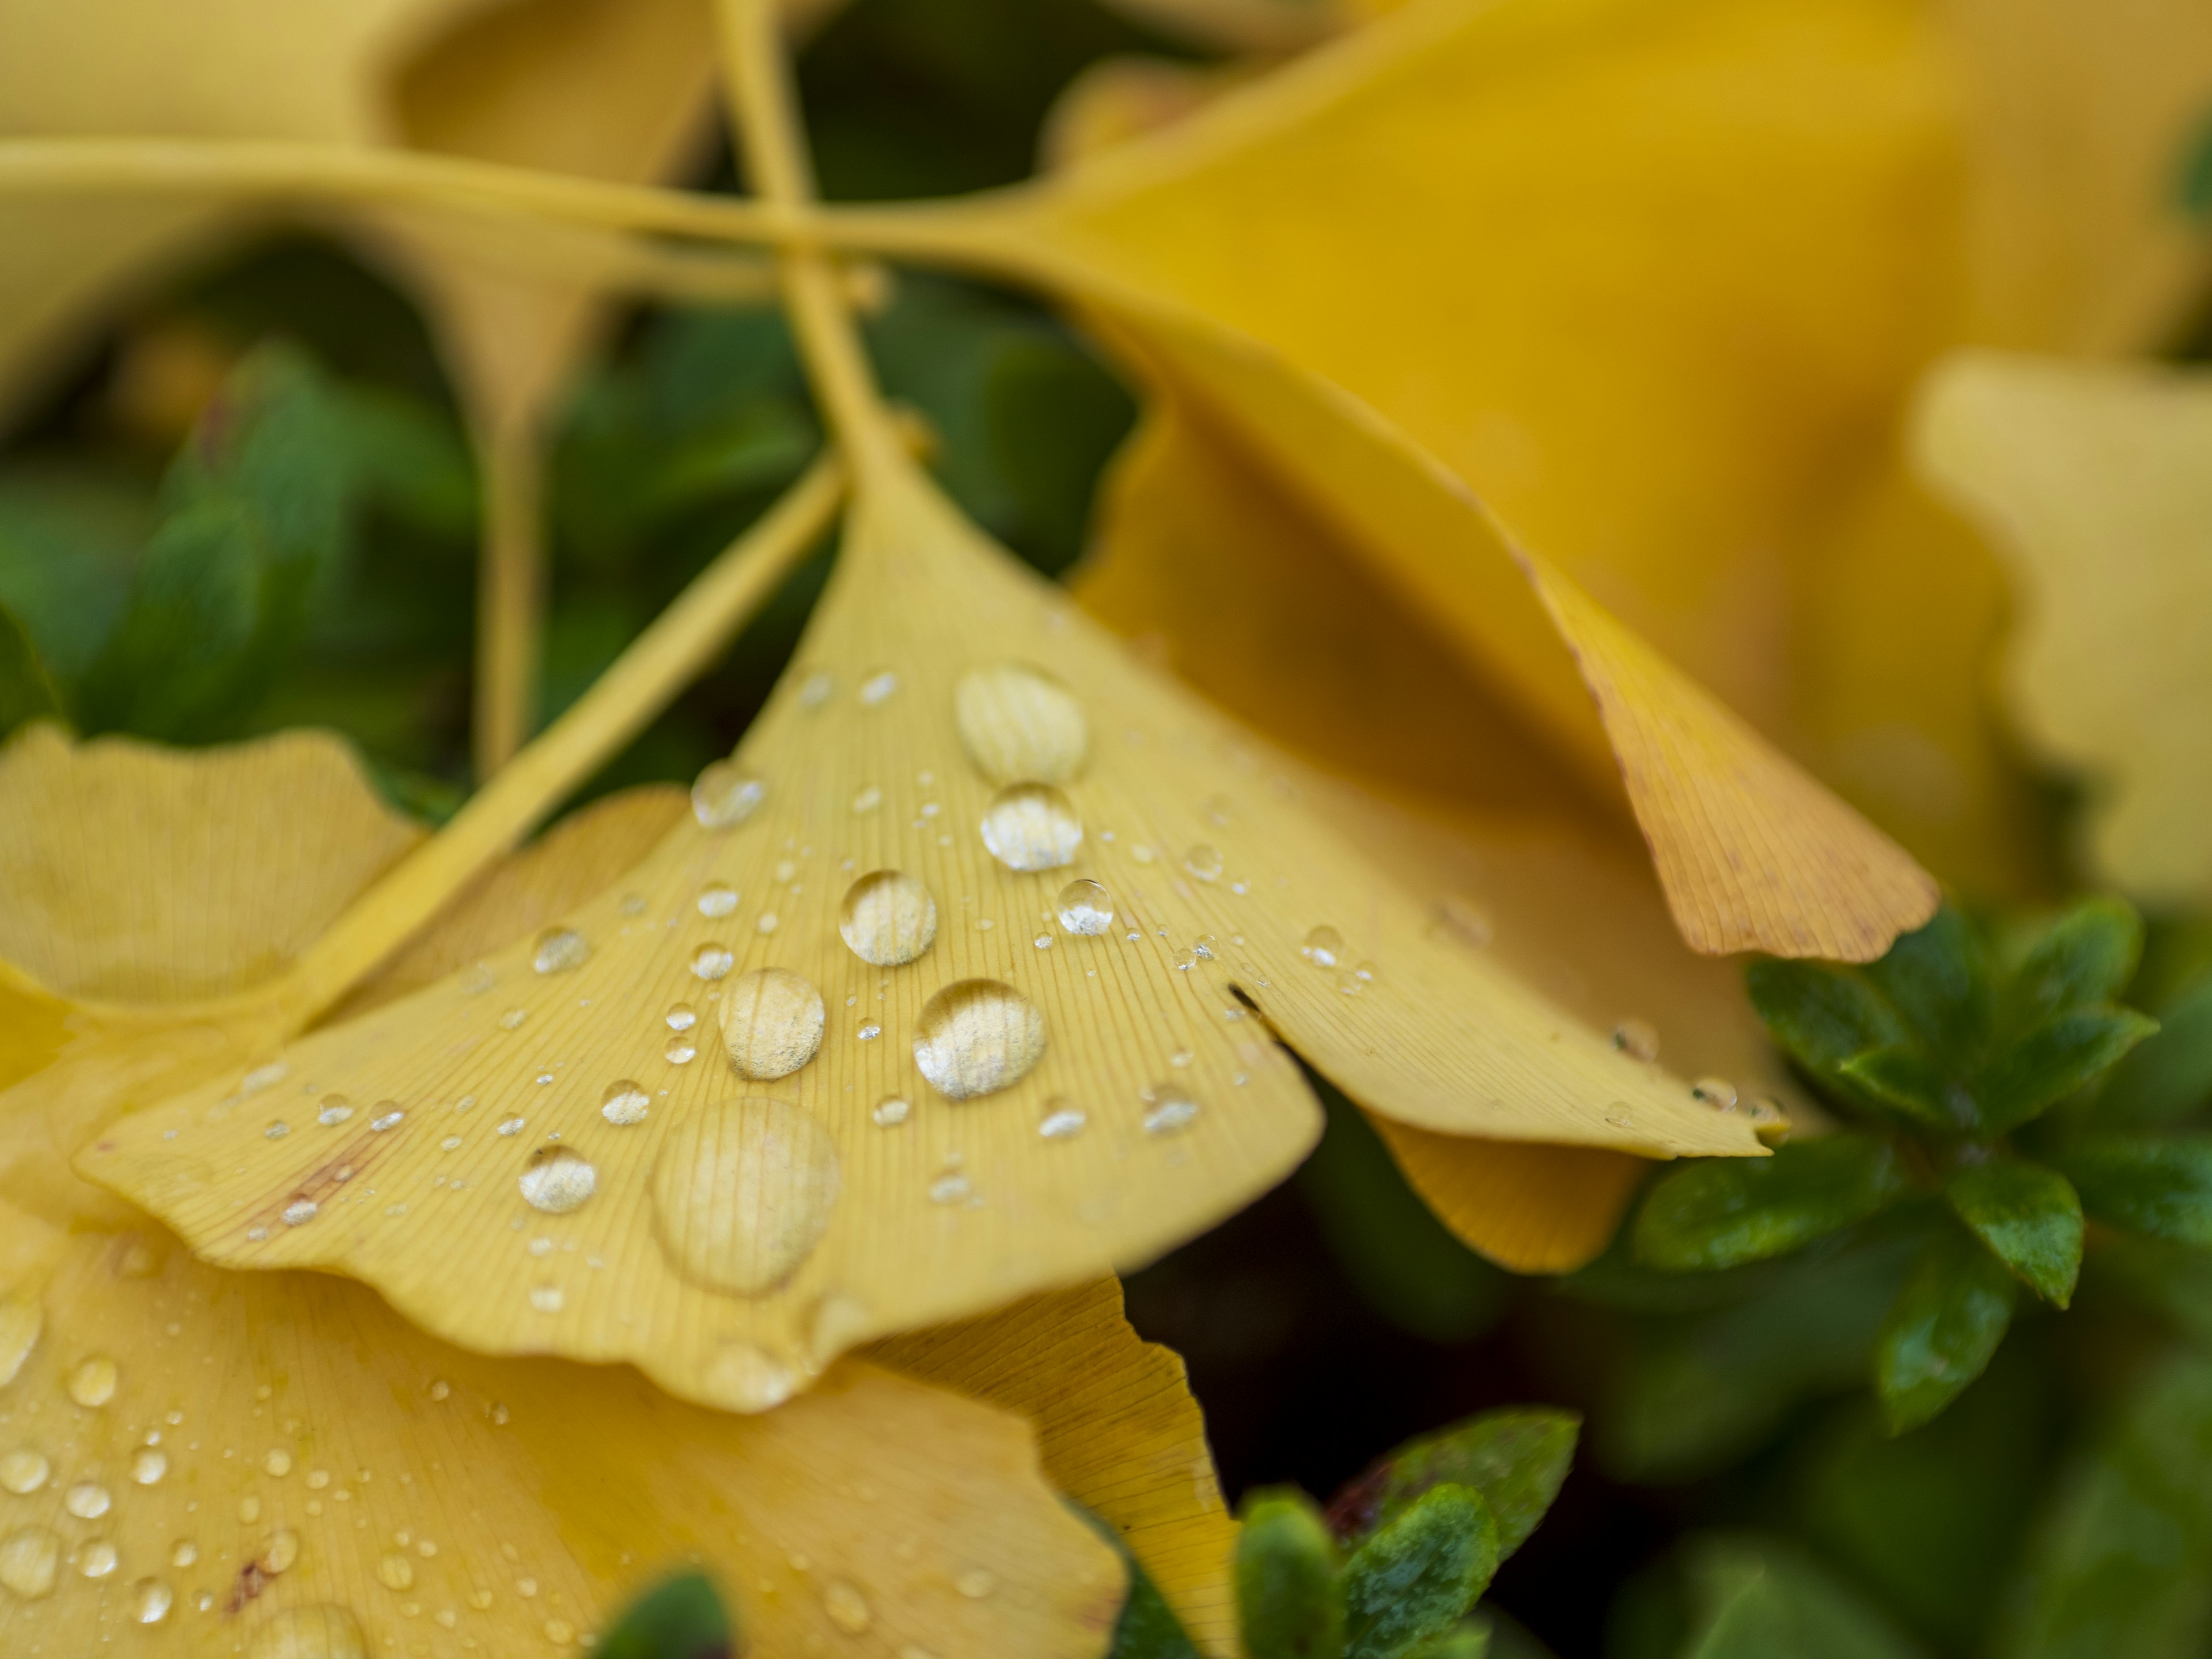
x,y
1761,1599
1418,1575
1289,1602
1918,1091
2193,185
1822,1015
2044,1064
2029,1216
1938,978
2169,1075
2156,1184
1517,1458
682,1618
69,537
1716,1213
2085,957
2123,1566
1941,1331
1468,1639
26,690
1148,1627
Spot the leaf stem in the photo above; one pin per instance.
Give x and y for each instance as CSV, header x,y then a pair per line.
x,y
510,592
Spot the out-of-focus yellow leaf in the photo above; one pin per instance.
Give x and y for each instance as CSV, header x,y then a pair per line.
x,y
2094,482
1117,1428
1535,1209
208,1463
781,1178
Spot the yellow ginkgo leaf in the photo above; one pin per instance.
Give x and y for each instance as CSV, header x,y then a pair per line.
x,y
944,997
277,1465
2094,482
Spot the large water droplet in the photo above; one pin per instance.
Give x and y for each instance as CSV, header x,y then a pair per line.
x,y
337,1109
319,1632
560,950
1032,826
977,1036
1019,725
1085,908
771,1022
624,1102
21,1318
299,1212
742,1191
557,1179
717,899
1715,1091
744,1378
847,1608
97,1560
28,1561
1203,862
888,918
725,794
147,1465
23,1471
712,960
1323,947
93,1382
88,1500
150,1600
1636,1038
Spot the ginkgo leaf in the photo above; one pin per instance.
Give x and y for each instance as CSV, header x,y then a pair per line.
x,y
277,1465
918,1064
2091,481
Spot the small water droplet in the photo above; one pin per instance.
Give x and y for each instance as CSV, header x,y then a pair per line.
x,y
725,794
149,1465
1322,947
950,1187
877,686
1715,1091
24,1471
1172,1111
847,1607
150,1600
387,1120
868,799
282,1552
1032,826
29,1559
679,1050
718,899
712,960
976,1583
817,689
92,1382
88,1500
547,1299
513,1019
744,1378
891,1109
1204,946
276,1131
337,1109
976,1036
631,904
887,918
1142,853
557,1180
1085,908
771,1022
1062,1120
682,1016
560,950
96,1559
1042,941
396,1571
1019,725
1619,1116
869,1032
742,1192
624,1102
1203,862
1636,1038
512,1125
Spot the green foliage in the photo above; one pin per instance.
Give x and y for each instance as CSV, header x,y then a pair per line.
x,y
1757,1598
2028,1216
1289,1600
2156,1184
1146,1627
682,1618
1941,1331
1516,1458
1720,1212
1417,1574
26,689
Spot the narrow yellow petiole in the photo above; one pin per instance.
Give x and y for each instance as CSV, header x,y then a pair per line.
x,y
510,593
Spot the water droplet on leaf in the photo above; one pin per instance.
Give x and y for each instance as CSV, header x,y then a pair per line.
x,y
976,1036
557,1180
725,795
1085,908
560,950
624,1102
888,918
771,1022
1019,725
742,1192
1032,826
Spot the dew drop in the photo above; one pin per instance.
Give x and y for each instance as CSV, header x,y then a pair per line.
x,y
742,1192
866,801
1019,725
337,1109
1032,826
724,795
149,1465
679,1050
24,1471
1085,908
976,1583
877,686
681,1016
557,1180
28,1562
299,1212
92,1382
21,1318
88,1500
1323,947
742,1377
717,900
1636,1038
184,1553
513,1019
395,1572
97,1560
817,689
847,1608
386,1120
869,1032
276,1131
624,1102
547,1299
282,1552
511,1126
950,1188
278,1464
560,950
891,1110
1203,862
1715,1091
1061,1120
976,1036
1204,946
887,918
150,1600
771,1022
1172,1111
1042,941
712,960
767,922
316,1632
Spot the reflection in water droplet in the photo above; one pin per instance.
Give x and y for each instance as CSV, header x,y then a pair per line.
x,y
560,950
387,1120
557,1179
877,686
771,1022
511,1126
976,1036
96,1559
679,1050
1204,862
742,1191
717,899
712,960
1042,941
1715,1091
1323,947
23,1471
184,1553
92,1382
887,918
1019,725
1085,908
28,1561
1032,826
321,1632
817,689
21,1318
1062,1120
950,1188
682,1016
868,799
299,1212
149,1465
88,1500
276,1131
624,1102
847,1607
1172,1111
337,1109
150,1600
1636,1038
725,794
891,1109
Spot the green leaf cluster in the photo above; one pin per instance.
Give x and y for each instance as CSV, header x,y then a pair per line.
x,y
1991,1077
